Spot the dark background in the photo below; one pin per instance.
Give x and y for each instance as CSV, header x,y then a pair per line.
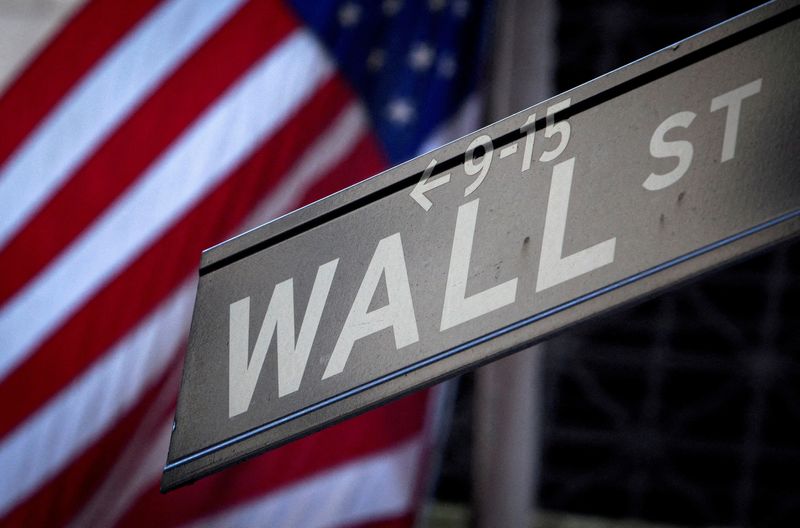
x,y
684,409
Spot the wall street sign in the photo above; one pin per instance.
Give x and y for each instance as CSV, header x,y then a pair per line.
x,y
608,193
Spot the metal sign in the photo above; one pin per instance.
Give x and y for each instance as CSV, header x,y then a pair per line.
x,y
601,196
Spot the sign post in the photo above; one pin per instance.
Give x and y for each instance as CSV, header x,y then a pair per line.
x,y
604,195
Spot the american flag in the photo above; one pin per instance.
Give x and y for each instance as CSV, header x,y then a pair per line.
x,y
144,132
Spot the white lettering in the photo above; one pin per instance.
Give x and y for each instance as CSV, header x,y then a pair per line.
x,y
553,268
458,308
425,184
659,148
398,314
552,128
733,102
481,168
292,358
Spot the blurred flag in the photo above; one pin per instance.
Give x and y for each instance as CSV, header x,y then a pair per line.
x,y
143,133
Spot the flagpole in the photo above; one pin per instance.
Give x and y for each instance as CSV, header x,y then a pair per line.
x,y
509,392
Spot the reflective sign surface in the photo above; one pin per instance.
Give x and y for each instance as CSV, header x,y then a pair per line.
x,y
634,182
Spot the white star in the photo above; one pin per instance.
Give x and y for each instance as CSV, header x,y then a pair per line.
x,y
421,56
460,8
391,7
349,14
436,5
447,66
376,59
400,111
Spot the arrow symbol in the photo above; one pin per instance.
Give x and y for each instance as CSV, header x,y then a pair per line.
x,y
425,184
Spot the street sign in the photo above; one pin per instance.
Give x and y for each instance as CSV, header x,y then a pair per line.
x,y
604,195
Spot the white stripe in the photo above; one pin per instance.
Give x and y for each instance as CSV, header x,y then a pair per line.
x,y
69,423
378,486
99,104
253,109
327,151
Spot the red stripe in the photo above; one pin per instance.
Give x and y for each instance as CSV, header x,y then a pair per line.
x,y
222,59
359,437
58,500
139,288
82,42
